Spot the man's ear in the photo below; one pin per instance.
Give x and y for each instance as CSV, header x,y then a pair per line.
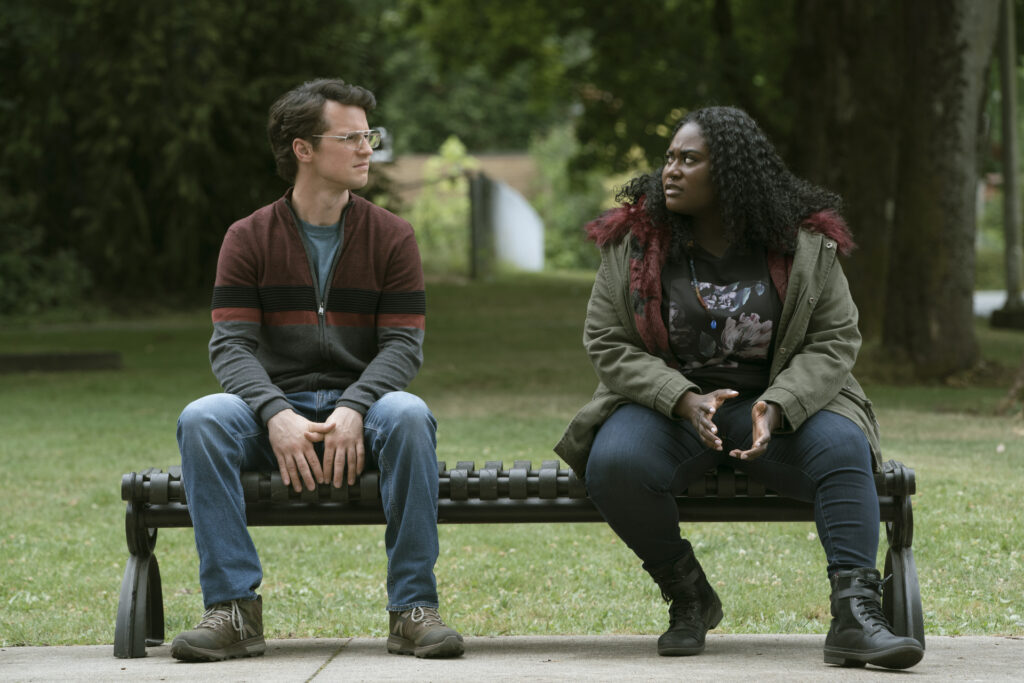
x,y
303,149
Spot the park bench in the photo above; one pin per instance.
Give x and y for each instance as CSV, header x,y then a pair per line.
x,y
488,495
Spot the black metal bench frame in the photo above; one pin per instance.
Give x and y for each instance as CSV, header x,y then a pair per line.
x,y
487,495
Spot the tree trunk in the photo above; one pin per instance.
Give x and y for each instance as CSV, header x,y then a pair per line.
x,y
928,305
1012,314
845,80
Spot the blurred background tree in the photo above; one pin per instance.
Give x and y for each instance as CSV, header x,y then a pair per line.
x,y
440,214
134,132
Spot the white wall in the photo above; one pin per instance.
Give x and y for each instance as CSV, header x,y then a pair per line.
x,y
518,230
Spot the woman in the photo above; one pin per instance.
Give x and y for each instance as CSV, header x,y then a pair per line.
x,y
723,331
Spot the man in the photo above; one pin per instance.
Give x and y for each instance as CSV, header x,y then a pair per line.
x,y
318,316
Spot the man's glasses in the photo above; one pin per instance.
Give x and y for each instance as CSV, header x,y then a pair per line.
x,y
354,140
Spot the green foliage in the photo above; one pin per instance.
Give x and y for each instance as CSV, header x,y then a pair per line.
x,y
989,265
530,45
989,270
423,106
138,128
566,202
990,253
29,281
440,213
632,69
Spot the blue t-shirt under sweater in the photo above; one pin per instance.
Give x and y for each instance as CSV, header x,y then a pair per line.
x,y
324,243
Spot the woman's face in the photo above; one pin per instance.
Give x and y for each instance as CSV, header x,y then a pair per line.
x,y
686,177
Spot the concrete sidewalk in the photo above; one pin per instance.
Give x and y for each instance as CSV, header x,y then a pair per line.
x,y
596,658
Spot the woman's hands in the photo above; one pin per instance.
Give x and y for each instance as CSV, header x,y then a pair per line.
x,y
766,418
700,410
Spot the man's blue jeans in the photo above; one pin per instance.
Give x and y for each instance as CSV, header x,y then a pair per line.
x,y
641,460
219,437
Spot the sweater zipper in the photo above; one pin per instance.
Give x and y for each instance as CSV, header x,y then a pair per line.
x,y
321,299
322,324
330,279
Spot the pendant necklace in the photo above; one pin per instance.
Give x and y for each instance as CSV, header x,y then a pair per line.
x,y
696,290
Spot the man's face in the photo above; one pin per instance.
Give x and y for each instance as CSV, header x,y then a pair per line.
x,y
334,162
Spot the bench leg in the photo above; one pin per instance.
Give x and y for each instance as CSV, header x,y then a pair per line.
x,y
901,595
140,608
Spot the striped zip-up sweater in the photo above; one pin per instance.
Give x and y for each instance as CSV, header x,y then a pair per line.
x,y
272,335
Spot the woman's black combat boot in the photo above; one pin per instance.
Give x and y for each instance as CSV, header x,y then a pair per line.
x,y
860,633
694,610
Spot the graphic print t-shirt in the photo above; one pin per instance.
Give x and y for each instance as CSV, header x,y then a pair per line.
x,y
727,346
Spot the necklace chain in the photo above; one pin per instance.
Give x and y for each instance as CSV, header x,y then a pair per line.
x,y
700,297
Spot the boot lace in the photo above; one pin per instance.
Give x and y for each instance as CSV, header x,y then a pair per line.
x,y
871,606
686,609
427,616
223,612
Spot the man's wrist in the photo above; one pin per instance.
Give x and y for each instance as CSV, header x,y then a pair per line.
x,y
345,403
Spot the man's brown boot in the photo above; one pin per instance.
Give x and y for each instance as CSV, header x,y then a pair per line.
x,y
227,630
421,632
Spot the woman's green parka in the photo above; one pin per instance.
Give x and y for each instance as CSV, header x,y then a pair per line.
x,y
815,348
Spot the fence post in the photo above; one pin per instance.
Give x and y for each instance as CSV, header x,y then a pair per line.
x,y
481,229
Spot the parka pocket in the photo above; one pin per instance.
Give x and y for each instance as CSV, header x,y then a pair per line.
x,y
860,400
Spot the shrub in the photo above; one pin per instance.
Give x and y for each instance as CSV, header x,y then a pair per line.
x,y
440,213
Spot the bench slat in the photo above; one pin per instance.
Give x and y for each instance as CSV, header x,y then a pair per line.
x,y
465,482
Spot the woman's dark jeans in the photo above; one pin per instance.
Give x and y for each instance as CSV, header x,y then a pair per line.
x,y
641,460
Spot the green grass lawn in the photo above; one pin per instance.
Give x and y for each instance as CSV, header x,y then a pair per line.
x,y
504,372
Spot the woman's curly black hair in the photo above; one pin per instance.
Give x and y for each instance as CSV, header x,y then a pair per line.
x,y
762,203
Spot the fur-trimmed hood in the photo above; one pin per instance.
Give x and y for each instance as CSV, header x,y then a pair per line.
x,y
649,249
614,224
